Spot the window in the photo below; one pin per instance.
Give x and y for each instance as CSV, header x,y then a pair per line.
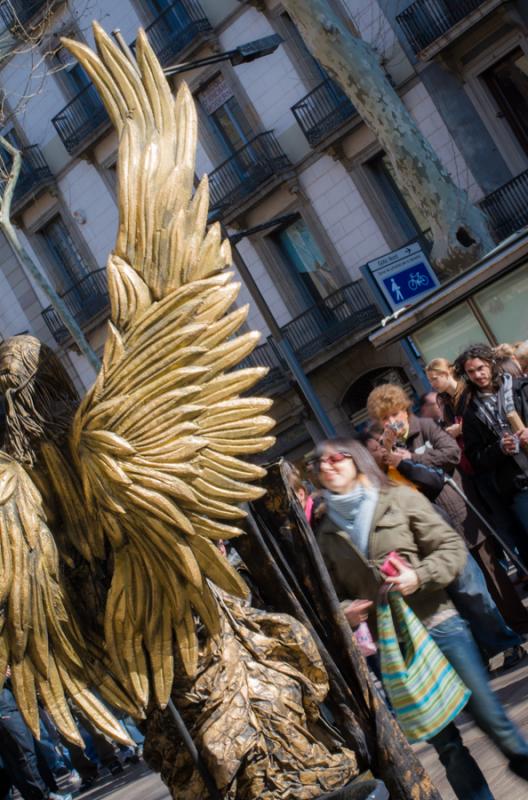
x,y
503,306
450,334
68,265
308,65
507,81
75,78
227,120
404,210
308,268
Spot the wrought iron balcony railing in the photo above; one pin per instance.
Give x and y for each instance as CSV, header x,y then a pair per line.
x,y
245,172
348,310
323,111
85,301
176,28
507,207
34,175
79,123
16,13
265,355
425,20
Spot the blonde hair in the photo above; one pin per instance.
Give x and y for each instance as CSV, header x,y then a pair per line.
x,y
443,365
502,351
389,398
440,365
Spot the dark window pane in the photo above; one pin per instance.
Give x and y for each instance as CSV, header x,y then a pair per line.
x,y
507,81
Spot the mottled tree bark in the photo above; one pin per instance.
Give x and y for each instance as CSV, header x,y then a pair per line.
x,y
460,230
286,565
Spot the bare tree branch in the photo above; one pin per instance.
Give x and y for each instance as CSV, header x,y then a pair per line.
x,y
26,261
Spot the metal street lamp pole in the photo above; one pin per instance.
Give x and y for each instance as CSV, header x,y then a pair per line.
x,y
242,54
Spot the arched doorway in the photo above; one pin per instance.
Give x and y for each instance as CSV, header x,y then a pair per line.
x,y
355,399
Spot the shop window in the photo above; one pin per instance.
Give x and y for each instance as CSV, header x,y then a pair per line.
x,y
450,334
503,305
307,266
507,81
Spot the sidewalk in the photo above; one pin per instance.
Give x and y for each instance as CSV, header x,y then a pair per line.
x,y
512,688
138,783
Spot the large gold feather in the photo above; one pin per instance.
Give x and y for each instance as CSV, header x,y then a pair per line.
x,y
39,640
157,441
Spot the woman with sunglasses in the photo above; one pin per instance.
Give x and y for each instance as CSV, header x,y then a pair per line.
x,y
365,519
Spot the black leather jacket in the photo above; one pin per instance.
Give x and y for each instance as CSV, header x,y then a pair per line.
x,y
482,445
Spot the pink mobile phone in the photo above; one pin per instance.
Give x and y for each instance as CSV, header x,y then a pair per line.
x,y
388,569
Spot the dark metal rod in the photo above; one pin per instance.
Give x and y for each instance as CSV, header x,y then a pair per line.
x,y
193,752
286,350
185,66
511,555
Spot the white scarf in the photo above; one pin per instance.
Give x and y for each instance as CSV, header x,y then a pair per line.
x,y
353,513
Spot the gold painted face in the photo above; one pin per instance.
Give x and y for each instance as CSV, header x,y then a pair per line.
x,y
15,366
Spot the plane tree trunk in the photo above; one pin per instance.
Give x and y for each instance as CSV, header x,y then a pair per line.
x,y
460,231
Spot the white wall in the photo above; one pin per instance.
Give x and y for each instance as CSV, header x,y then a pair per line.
x,y
85,191
267,287
342,213
271,83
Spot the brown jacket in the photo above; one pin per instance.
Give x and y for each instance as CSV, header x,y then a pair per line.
x,y
432,446
406,522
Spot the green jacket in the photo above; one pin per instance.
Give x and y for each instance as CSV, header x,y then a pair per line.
x,y
405,521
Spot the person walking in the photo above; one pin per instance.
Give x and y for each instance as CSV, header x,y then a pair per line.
x,y
491,445
25,767
364,521
410,443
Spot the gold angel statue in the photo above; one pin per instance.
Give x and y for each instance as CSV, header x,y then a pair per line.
x,y
111,506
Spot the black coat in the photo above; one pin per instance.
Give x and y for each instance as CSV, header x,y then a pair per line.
x,y
433,447
482,446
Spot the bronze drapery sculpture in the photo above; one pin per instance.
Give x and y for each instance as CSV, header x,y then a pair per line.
x,y
110,506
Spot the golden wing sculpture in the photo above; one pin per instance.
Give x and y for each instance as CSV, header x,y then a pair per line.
x,y
40,644
111,507
156,441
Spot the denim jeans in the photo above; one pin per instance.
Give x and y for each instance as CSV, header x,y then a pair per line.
x,y
458,646
19,756
470,594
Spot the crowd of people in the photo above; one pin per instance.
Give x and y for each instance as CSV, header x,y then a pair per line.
x,y
51,768
442,496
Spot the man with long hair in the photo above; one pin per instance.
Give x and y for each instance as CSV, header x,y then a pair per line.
x,y
492,445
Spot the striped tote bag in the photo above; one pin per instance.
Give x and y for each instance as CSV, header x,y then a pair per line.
x,y
424,689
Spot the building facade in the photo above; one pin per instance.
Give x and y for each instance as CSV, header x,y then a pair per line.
x,y
278,139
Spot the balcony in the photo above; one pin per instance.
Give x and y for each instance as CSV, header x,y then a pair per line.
x,y
17,13
507,207
323,111
34,176
85,301
82,121
246,172
425,21
265,355
348,310
176,28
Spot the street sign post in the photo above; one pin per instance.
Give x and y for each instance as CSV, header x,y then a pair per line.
x,y
403,276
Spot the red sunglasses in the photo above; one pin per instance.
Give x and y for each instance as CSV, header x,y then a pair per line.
x,y
333,458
